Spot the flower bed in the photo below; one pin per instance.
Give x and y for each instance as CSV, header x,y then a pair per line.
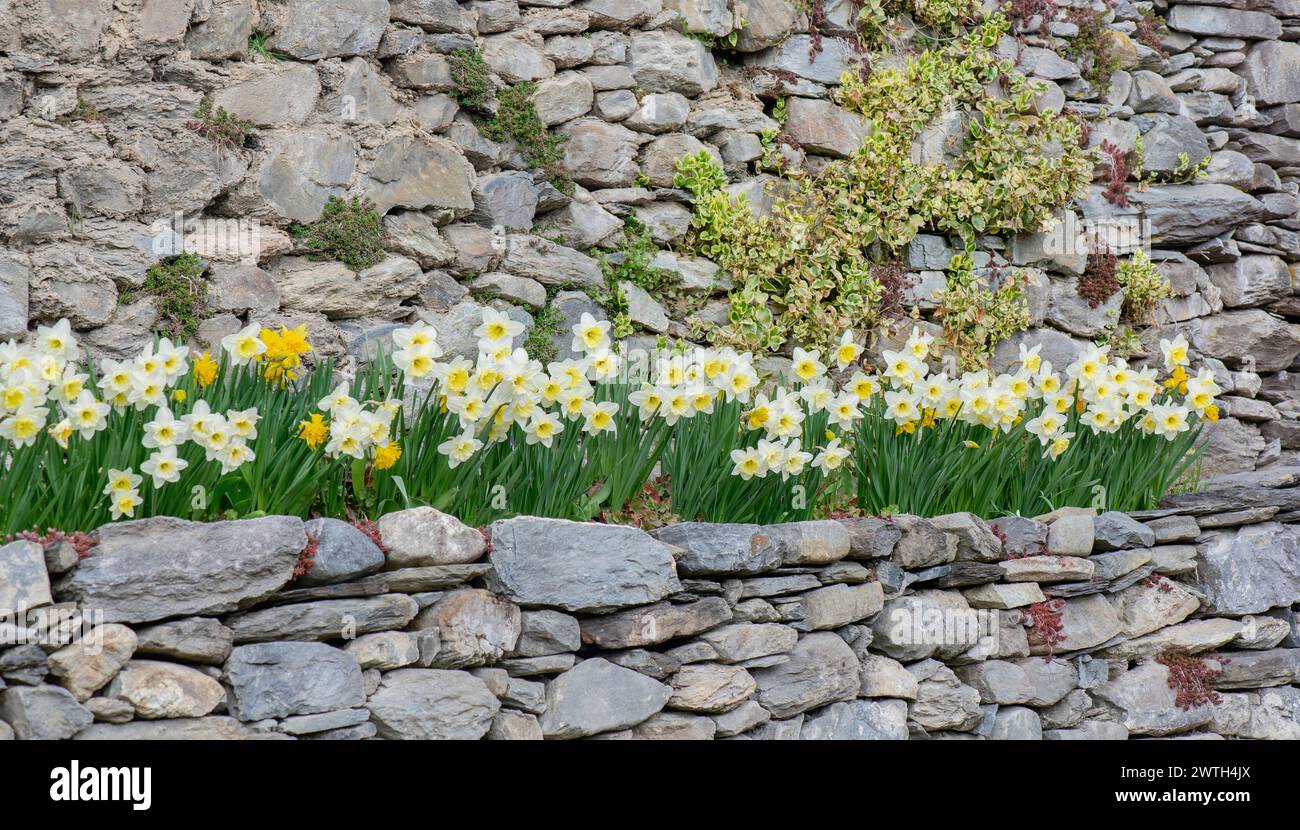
x,y
250,432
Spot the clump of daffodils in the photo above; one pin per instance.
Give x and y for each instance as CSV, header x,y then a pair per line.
x,y
504,387
279,353
46,388
353,428
1104,392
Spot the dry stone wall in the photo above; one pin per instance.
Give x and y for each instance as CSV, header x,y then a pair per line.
x,y
1182,621
356,97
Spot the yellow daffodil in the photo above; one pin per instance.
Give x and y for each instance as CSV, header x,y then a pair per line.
x,y
387,455
314,431
205,370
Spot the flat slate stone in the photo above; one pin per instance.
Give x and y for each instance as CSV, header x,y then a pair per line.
x,y
152,569
578,566
597,696
403,581
327,619
276,680
734,549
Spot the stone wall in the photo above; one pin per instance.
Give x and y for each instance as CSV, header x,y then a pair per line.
x,y
1061,628
95,96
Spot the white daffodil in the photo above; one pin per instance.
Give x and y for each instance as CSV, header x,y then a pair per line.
x,y
163,466
244,346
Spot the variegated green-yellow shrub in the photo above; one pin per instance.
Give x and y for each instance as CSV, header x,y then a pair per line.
x,y
944,17
805,269
978,314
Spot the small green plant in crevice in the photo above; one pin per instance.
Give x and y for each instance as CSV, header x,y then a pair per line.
x,y
472,78
633,262
540,343
780,111
224,129
1143,287
713,41
1092,47
773,159
1148,30
83,110
1122,340
699,173
76,222
980,312
514,117
348,230
179,291
517,120
257,46
1185,171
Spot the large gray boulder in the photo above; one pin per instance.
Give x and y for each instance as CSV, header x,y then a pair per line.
x,y
723,548
1184,213
597,696
280,93
1218,21
668,61
276,680
1085,622
598,155
298,173
315,29
152,569
24,582
432,704
342,553
1234,336
1272,72
822,128
796,55
858,720
1143,700
43,713
767,22
822,669
653,624
433,15
92,661
474,627
335,291
422,536
1252,569
15,278
417,172
549,263
192,640
1251,280
578,566
210,728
